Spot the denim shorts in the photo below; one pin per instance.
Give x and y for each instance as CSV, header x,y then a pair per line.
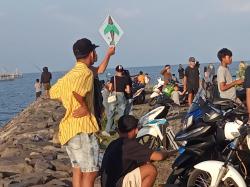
x,y
83,151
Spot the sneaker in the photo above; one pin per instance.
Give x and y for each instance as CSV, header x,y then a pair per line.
x,y
104,133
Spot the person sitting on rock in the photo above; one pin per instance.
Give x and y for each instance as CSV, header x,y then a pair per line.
x,y
127,162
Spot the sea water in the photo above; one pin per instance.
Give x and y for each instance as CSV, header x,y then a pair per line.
x,y
17,94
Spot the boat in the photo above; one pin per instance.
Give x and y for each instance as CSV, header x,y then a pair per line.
x,y
10,76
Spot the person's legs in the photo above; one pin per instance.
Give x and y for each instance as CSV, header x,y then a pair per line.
x,y
88,179
190,98
148,175
77,177
83,150
121,104
110,116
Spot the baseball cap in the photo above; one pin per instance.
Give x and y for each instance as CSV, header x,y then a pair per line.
x,y
83,47
119,68
192,59
126,123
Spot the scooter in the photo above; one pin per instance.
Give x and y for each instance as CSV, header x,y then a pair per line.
x,y
217,173
157,90
160,94
139,96
154,131
203,132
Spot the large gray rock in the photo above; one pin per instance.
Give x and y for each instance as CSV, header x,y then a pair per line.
x,y
27,180
42,165
56,182
14,165
11,152
62,165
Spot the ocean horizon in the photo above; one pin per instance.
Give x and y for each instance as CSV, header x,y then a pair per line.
x,y
17,94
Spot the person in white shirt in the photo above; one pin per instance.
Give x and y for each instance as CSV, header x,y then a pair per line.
x,y
175,95
38,88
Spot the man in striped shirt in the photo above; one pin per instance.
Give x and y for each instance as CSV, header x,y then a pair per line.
x,y
78,127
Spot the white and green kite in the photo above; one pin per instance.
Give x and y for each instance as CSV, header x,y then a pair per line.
x,y
111,31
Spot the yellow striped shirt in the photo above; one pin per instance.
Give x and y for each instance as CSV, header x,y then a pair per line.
x,y
80,80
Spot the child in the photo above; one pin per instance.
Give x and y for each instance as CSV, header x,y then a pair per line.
x,y
175,95
38,88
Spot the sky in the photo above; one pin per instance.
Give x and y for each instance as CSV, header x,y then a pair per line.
x,y
37,33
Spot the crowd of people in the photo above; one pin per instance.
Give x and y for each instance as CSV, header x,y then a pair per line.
x,y
126,162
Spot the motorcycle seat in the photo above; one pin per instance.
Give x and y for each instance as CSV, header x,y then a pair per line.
x,y
222,101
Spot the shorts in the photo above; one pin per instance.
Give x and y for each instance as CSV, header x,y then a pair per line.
x,y
192,90
132,179
83,151
38,94
46,86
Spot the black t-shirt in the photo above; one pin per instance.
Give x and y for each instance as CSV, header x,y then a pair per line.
x,y
247,78
121,83
122,156
98,106
46,77
181,73
192,75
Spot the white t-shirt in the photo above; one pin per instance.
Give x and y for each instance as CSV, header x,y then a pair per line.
x,y
38,87
224,75
175,96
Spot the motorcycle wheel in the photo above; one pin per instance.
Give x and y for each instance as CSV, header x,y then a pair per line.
x,y
201,178
173,179
152,101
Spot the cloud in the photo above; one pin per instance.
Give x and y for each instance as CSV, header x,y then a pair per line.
x,y
125,13
237,6
58,14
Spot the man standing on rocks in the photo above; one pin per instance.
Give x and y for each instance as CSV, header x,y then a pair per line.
x,y
191,80
45,80
78,127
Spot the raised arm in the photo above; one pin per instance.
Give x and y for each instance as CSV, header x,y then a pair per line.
x,y
102,67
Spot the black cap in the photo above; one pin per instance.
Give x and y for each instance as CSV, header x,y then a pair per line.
x,y
119,68
126,123
83,47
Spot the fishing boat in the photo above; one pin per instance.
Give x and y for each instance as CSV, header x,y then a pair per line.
x,y
10,76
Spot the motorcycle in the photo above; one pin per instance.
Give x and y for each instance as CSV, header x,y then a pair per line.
x,y
217,173
160,93
154,130
139,94
157,90
203,132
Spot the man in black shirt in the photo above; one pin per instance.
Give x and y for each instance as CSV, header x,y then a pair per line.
x,y
191,80
247,86
45,81
127,162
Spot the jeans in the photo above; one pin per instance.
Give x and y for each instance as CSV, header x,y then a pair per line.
x,y
117,106
129,106
105,94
